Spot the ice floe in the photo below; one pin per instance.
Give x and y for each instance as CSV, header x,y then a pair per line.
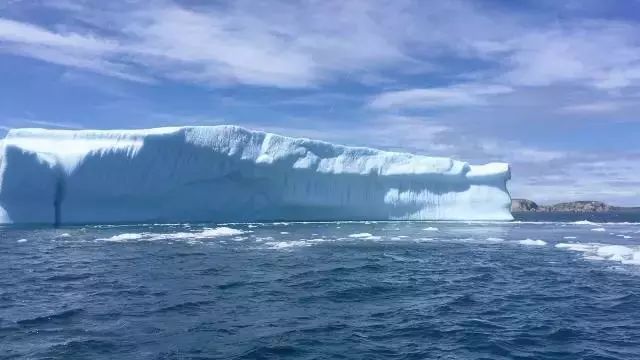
x,y
532,242
208,233
598,251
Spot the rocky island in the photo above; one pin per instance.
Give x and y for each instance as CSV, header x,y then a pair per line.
x,y
525,205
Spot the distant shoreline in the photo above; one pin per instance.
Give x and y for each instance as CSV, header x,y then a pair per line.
x,y
525,205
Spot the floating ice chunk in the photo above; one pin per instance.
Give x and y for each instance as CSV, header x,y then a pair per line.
x,y
614,252
125,237
532,242
204,234
575,246
611,252
583,222
360,235
494,239
366,236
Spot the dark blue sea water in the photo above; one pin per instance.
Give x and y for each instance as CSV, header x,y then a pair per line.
x,y
552,288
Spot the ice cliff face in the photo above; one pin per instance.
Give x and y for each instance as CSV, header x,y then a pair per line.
x,y
227,173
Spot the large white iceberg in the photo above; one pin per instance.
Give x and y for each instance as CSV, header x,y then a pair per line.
x,y
227,173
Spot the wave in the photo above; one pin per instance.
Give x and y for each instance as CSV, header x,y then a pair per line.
x,y
187,306
70,277
62,315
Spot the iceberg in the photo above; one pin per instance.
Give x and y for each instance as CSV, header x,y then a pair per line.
x,y
228,173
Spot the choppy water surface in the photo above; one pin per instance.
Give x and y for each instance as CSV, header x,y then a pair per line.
x,y
365,290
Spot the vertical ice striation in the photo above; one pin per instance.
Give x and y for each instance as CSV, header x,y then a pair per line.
x,y
227,173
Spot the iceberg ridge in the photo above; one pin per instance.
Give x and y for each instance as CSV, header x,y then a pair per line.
x,y
228,173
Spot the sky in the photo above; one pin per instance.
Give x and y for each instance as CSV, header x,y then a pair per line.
x,y
551,87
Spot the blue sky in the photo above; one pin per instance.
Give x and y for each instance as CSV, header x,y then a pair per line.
x,y
552,87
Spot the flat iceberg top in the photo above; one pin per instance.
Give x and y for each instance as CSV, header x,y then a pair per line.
x,y
68,148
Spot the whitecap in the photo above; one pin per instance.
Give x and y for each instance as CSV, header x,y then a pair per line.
x,y
125,237
22,241
320,240
624,236
569,237
419,240
287,244
430,228
600,229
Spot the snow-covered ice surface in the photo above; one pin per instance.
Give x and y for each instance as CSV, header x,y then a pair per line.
x,y
227,173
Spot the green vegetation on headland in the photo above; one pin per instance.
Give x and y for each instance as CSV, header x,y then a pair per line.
x,y
524,205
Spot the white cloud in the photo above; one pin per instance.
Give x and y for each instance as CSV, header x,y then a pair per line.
x,y
308,44
594,107
584,176
457,95
27,34
12,123
84,51
603,54
279,44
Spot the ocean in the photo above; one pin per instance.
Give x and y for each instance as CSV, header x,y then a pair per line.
x,y
546,286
